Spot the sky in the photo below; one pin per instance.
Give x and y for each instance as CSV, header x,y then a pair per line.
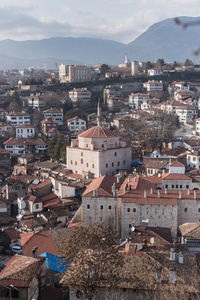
x,y
119,20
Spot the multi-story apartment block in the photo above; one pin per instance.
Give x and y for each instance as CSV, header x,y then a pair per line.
x,y
76,124
74,73
55,114
25,131
18,119
81,95
98,151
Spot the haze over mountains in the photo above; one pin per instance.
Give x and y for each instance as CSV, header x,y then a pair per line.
x,y
162,40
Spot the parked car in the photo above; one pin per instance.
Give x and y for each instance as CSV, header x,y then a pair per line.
x,y
17,249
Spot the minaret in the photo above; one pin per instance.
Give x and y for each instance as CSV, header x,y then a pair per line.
x,y
126,60
98,113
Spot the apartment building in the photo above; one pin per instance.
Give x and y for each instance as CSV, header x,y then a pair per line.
x,y
55,114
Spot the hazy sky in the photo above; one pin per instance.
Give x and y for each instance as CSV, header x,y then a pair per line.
x,y
120,20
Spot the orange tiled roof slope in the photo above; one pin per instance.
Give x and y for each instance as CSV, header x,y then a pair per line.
x,y
98,132
40,239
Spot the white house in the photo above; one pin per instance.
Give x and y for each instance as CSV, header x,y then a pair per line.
x,y
135,100
76,124
197,125
154,72
35,101
193,160
25,131
153,86
18,119
25,145
55,114
81,95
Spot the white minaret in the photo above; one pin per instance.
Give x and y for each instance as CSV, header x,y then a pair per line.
x,y
126,60
98,113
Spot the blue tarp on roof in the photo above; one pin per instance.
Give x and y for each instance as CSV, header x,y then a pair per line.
x,y
55,263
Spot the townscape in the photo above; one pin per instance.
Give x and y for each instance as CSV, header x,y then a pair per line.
x,y
100,181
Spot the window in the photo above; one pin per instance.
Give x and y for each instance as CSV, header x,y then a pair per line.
x,y
71,162
88,206
172,186
181,186
198,209
130,226
134,209
75,163
185,209
81,161
87,165
109,207
118,163
81,153
86,145
101,207
106,165
187,186
112,164
93,166
176,186
115,153
128,209
166,186
124,162
37,206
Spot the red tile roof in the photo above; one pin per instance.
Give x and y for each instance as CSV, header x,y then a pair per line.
x,y
176,164
188,227
98,132
40,239
103,185
176,177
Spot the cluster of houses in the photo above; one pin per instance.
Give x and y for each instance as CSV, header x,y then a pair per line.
x,y
152,201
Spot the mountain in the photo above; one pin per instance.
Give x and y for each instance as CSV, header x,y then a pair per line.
x,y
66,50
162,40
167,40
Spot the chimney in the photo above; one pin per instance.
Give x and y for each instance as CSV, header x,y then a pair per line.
x,y
158,193
180,194
95,193
195,195
166,191
145,193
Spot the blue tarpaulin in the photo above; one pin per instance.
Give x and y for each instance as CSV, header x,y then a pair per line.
x,y
55,263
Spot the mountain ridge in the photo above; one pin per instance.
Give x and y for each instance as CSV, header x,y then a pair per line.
x,y
163,39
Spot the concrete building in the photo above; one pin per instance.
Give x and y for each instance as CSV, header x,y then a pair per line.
x,y
98,151
154,72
